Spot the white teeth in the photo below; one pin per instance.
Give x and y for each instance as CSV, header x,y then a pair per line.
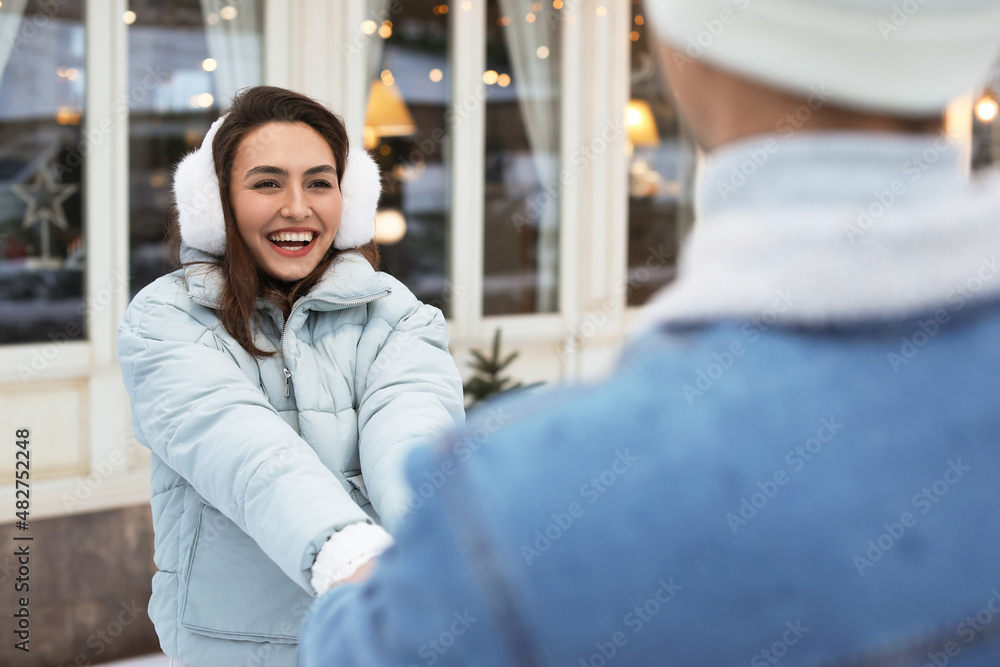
x,y
303,237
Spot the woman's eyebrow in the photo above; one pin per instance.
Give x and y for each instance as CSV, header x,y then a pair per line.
x,y
321,169
278,171
266,169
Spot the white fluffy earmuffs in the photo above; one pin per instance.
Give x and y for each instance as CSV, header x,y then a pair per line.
x,y
199,203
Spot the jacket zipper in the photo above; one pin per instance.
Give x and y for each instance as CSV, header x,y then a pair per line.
x,y
284,322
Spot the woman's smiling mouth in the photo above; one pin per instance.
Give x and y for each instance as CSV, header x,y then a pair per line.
x,y
293,243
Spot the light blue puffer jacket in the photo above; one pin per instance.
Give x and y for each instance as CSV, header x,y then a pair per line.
x,y
255,466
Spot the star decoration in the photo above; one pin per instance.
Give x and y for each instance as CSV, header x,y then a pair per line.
x,y
45,198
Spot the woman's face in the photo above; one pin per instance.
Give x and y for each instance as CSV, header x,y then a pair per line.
x,y
284,194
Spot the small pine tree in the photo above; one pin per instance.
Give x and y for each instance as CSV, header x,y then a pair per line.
x,y
487,380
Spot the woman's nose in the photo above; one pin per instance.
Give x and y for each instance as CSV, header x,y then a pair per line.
x,y
295,206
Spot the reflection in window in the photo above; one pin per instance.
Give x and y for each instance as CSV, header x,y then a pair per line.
x,y
521,225
986,125
187,58
42,82
406,132
661,170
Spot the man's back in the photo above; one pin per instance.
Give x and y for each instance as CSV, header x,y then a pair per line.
x,y
858,520
811,502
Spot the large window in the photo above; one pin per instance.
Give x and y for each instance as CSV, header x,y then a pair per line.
x,y
407,133
661,170
187,58
523,102
42,153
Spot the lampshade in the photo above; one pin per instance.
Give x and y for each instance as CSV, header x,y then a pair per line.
x,y
387,114
640,124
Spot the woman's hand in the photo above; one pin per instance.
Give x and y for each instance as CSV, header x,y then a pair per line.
x,y
359,576
362,573
349,554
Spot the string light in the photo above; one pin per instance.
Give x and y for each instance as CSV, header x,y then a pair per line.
x,y
987,109
203,101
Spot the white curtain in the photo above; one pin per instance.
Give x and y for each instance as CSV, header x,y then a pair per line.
x,y
537,80
235,45
10,19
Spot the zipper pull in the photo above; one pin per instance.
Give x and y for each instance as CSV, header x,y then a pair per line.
x,y
288,376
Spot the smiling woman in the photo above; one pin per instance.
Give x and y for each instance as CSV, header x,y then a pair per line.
x,y
279,379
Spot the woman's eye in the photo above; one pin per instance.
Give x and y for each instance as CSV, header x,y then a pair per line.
x,y
265,184
321,184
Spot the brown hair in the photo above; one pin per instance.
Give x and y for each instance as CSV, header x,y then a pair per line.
x,y
243,281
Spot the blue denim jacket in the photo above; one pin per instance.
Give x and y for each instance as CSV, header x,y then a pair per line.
x,y
810,485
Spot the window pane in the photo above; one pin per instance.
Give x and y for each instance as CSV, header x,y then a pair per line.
x,y
521,225
42,234
187,58
986,125
661,171
406,132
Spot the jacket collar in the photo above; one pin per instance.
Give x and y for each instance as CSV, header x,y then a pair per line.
x,y
830,227
349,279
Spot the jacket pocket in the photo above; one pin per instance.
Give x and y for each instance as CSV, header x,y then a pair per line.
x,y
234,591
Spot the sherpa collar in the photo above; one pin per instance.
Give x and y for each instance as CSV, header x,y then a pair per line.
x,y
199,203
834,227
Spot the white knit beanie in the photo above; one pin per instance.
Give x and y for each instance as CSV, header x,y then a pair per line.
x,y
905,57
199,202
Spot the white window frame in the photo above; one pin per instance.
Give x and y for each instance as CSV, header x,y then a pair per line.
x,y
304,49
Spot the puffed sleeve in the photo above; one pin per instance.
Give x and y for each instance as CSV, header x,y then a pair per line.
x,y
410,393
